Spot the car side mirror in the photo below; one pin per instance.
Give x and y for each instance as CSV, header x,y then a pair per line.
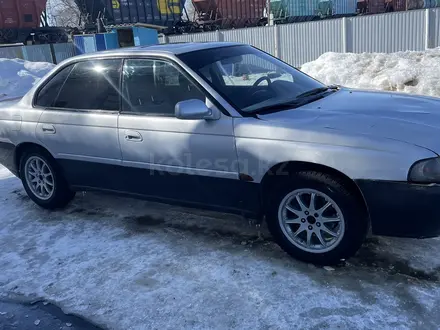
x,y
195,109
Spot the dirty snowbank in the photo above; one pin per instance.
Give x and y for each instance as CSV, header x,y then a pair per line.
x,y
409,72
18,76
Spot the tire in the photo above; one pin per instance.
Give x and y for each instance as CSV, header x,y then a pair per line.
x,y
60,194
351,229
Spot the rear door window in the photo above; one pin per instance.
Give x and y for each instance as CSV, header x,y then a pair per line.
x,y
48,94
92,85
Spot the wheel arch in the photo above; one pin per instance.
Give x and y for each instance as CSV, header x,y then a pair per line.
x,y
290,167
21,148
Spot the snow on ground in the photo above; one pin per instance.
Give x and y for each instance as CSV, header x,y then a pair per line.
x,y
410,72
129,264
18,76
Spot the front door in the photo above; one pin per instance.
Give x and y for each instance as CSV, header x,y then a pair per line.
x,y
79,122
191,161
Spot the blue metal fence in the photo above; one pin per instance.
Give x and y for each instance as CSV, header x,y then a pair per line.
x,y
37,53
63,51
53,53
11,52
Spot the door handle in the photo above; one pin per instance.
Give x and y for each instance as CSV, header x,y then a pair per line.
x,y
48,129
133,136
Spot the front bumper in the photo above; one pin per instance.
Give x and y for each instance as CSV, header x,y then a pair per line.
x,y
7,157
402,209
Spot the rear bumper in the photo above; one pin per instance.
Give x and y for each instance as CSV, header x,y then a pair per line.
x,y
7,157
402,209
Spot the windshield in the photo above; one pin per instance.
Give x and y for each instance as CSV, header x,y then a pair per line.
x,y
250,79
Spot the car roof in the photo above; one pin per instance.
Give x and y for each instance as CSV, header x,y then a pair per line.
x,y
184,47
168,49
174,49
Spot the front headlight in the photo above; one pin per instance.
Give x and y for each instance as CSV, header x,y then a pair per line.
x,y
425,171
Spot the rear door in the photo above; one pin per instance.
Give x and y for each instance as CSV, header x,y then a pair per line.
x,y
79,123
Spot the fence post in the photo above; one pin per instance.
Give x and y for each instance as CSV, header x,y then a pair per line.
x,y
52,54
427,28
219,36
344,35
277,41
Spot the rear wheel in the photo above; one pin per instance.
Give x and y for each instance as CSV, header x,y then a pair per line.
x,y
315,218
43,181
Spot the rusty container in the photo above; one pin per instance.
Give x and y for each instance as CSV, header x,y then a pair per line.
x,y
16,14
230,13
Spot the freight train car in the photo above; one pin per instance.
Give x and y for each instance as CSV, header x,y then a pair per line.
x,y
289,11
228,14
20,22
384,6
165,13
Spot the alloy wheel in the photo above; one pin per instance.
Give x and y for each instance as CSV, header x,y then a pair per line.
x,y
311,220
39,178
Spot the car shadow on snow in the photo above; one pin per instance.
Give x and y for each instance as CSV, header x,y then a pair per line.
x,y
368,256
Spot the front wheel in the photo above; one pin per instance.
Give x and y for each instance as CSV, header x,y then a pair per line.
x,y
43,181
315,218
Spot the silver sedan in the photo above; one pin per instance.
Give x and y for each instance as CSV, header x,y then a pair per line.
x,y
227,127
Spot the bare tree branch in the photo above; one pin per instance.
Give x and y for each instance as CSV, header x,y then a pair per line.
x,y
64,13
190,10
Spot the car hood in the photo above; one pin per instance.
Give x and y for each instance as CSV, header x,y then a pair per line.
x,y
403,117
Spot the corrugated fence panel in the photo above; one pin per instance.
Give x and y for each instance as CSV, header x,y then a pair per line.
x,y
435,15
194,37
11,52
260,37
304,42
63,51
89,44
180,38
37,53
388,32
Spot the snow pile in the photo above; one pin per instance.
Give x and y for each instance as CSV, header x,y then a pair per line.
x,y
18,76
409,72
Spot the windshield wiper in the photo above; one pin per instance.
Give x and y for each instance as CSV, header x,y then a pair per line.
x,y
295,103
316,91
300,100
